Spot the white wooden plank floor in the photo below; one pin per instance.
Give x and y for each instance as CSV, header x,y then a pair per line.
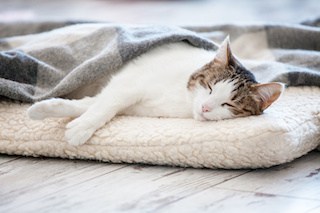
x,y
57,185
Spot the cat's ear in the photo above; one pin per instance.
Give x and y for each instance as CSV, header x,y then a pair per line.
x,y
267,93
224,55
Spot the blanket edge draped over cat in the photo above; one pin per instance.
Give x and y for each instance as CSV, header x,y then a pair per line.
x,y
38,65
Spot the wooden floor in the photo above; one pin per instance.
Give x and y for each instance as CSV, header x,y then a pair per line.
x,y
57,185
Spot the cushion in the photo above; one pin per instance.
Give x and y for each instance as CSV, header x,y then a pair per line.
x,y
287,130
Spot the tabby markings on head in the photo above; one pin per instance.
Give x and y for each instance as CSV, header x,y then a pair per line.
x,y
246,96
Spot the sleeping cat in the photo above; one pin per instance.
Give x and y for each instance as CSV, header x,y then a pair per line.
x,y
174,80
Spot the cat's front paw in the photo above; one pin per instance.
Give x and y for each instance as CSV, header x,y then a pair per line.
x,y
54,107
39,110
78,132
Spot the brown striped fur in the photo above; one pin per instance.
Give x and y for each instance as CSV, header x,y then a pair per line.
x,y
248,97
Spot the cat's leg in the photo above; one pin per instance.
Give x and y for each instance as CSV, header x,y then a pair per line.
x,y
109,103
58,107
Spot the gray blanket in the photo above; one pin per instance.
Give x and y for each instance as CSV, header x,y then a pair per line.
x,y
43,60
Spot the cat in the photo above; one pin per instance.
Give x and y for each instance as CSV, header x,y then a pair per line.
x,y
175,80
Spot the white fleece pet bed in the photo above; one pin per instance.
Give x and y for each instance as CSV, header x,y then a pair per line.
x,y
287,130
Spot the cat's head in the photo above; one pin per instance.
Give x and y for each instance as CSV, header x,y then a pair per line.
x,y
224,89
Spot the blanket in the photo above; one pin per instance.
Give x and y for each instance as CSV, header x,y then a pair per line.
x,y
44,60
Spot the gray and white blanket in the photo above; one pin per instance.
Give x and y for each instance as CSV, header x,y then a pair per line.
x,y
43,60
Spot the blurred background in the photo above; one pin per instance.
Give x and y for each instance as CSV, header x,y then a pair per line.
x,y
176,12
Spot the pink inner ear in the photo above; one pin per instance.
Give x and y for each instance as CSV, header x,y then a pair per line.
x,y
224,53
268,93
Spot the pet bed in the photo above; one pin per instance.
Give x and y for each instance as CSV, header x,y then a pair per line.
x,y
55,63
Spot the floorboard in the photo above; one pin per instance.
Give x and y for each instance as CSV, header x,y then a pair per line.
x,y
30,179
77,185
57,185
6,158
299,180
224,200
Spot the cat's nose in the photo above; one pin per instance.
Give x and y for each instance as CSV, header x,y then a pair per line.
x,y
206,108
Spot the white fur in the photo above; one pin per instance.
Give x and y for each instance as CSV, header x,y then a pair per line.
x,y
221,92
154,84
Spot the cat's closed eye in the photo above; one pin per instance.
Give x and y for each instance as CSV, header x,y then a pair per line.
x,y
210,89
227,104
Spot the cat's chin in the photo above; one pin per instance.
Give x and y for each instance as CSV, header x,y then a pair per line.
x,y
200,117
206,117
